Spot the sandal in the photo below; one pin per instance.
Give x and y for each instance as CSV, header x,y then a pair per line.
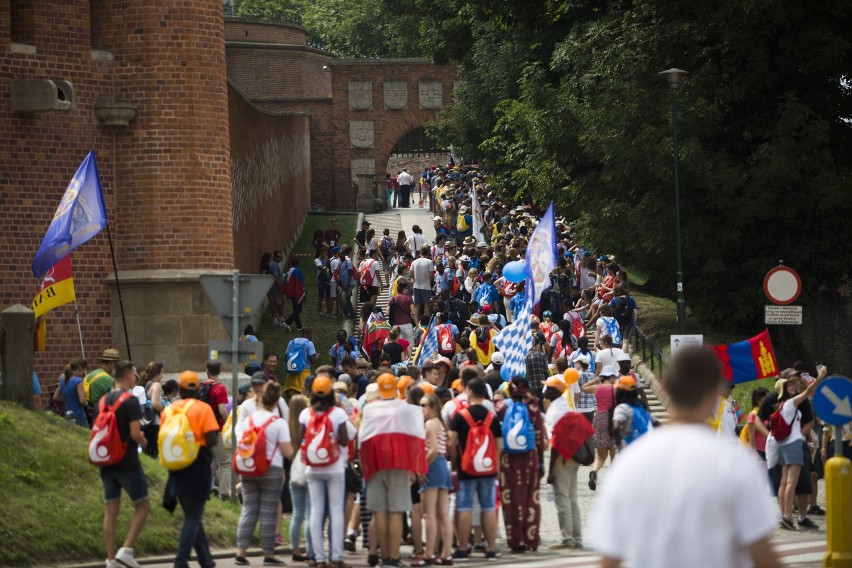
x,y
420,562
593,480
448,561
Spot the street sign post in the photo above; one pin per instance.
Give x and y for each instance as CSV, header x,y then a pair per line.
x,y
783,315
832,400
679,341
248,352
235,297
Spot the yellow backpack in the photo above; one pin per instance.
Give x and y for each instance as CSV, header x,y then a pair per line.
x,y
228,430
461,224
91,378
744,434
176,441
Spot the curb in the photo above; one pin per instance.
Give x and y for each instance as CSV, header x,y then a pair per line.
x,y
218,554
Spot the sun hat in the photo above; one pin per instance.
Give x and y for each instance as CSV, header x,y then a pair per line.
x,y
110,354
189,380
341,386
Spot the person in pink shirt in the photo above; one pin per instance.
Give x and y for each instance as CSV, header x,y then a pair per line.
x,y
757,431
603,387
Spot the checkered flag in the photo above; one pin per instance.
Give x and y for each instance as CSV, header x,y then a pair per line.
x,y
514,342
429,346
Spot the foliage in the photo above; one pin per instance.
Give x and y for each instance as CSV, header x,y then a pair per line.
x,y
53,512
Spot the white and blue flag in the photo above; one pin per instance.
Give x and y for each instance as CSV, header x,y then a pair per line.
x,y
429,345
80,216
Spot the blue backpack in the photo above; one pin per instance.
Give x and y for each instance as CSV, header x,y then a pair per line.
x,y
297,355
518,431
612,330
641,424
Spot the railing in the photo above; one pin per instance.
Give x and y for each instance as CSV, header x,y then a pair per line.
x,y
652,356
265,14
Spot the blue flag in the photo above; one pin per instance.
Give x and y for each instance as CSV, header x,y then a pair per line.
x,y
429,344
541,256
80,216
514,341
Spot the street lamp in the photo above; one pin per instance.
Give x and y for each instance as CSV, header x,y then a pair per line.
x,y
674,77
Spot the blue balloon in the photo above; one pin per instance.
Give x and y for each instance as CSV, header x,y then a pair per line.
x,y
515,271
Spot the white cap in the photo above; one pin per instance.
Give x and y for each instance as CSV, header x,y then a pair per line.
x,y
497,358
623,357
609,371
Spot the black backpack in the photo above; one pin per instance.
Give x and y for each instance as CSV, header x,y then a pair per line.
x,y
622,312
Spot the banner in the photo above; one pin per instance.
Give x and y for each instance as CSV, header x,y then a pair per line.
x,y
747,360
80,216
428,344
56,288
541,256
476,215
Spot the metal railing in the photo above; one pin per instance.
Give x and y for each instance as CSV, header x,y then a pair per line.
x,y
651,355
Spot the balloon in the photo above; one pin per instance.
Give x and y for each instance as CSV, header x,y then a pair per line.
x,y
572,376
515,271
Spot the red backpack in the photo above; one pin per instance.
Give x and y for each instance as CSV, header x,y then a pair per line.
x,y
250,459
105,445
778,427
446,341
320,448
480,451
367,274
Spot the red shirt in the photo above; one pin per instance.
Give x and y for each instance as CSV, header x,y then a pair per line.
x,y
218,395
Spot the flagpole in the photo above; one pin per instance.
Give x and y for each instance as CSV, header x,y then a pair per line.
x,y
118,289
79,328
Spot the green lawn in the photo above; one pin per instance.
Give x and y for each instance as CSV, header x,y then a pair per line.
x,y
53,509
324,329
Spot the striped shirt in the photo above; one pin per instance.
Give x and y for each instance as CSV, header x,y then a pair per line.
x,y
585,402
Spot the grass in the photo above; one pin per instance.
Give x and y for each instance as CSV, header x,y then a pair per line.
x,y
53,509
324,329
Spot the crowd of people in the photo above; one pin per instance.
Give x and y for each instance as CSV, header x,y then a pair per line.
x,y
412,432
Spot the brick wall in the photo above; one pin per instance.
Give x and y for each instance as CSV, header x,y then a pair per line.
x,y
270,74
238,29
271,172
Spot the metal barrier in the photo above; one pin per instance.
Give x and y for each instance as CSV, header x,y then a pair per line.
x,y
652,356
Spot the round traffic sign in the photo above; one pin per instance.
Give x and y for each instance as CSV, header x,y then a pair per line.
x,y
782,285
833,400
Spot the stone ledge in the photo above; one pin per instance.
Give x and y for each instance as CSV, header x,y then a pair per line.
x,y
171,275
22,48
384,61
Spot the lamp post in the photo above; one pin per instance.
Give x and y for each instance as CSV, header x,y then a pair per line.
x,y
674,77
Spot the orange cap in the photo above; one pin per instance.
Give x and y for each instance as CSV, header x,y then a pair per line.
x,y
556,382
572,375
457,385
322,385
387,385
189,380
626,382
427,388
402,385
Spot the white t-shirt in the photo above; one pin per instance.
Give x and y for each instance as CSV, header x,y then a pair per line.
x,y
608,356
415,241
373,267
709,501
338,416
422,269
249,407
277,432
333,265
449,409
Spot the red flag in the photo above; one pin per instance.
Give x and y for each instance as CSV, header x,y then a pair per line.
x,y
392,436
747,360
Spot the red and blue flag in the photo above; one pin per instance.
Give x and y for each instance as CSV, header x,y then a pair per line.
x,y
747,360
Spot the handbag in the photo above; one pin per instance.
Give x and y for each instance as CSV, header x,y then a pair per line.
x,y
352,480
298,473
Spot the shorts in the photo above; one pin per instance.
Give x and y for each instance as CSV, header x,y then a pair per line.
x,y
803,485
422,297
415,493
133,481
484,487
333,290
373,290
791,454
389,490
438,476
322,290
296,381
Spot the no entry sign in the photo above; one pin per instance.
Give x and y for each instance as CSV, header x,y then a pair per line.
x,y
782,285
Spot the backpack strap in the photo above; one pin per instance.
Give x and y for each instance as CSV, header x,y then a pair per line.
x,y
468,417
489,418
118,402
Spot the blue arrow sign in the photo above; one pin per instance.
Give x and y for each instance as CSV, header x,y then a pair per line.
x,y
833,401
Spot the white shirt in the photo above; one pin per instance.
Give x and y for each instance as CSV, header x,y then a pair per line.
x,y
422,269
337,417
404,179
277,432
791,415
374,266
608,356
249,407
333,265
450,410
415,241
709,500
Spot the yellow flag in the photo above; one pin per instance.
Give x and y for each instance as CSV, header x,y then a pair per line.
x,y
56,288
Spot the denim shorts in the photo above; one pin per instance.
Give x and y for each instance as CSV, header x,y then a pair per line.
x,y
438,476
484,487
131,480
792,453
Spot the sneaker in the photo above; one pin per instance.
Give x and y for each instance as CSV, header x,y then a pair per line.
x,y
349,543
806,523
593,480
816,510
480,547
461,555
241,561
373,559
279,540
491,555
272,561
112,564
393,562
787,524
286,326
564,545
125,557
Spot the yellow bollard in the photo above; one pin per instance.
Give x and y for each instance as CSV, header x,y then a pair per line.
x,y
838,511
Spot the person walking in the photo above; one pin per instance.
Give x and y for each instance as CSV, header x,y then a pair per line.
x,y
521,466
690,464
405,181
262,493
299,488
324,434
603,387
191,485
436,489
127,473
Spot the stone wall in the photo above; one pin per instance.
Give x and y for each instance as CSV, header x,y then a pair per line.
x,y
271,173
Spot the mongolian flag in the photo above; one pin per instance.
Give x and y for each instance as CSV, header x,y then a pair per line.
x,y
568,430
56,288
392,436
747,360
80,216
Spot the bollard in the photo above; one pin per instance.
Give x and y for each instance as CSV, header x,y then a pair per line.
x,y
838,497
16,344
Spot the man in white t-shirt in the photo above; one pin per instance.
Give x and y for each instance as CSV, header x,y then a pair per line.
x,y
423,270
709,504
416,241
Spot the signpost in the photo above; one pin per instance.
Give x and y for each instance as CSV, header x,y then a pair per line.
x,y
235,297
678,341
783,315
832,404
782,285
